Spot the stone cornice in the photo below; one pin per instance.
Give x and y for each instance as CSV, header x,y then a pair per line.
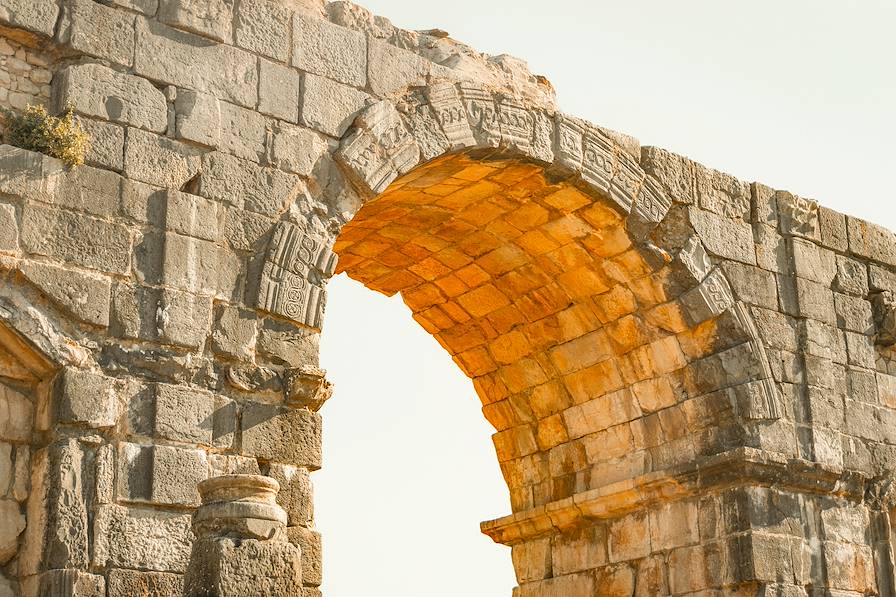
x,y
738,467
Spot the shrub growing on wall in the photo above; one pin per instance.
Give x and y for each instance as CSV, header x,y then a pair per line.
x,y
35,130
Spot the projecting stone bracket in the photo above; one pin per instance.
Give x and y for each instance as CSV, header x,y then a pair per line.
x,y
741,466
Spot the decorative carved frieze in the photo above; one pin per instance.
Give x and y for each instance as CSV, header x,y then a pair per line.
x,y
482,113
296,266
649,209
516,125
710,299
451,114
568,144
380,148
627,180
598,161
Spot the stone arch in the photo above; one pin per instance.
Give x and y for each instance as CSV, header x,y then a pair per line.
x,y
604,342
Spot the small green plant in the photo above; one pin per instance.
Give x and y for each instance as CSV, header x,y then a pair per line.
x,y
58,137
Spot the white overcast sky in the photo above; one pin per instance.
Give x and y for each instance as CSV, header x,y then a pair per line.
x,y
796,94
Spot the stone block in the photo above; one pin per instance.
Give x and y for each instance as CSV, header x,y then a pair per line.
x,y
234,332
846,524
82,295
246,230
264,27
76,238
160,474
182,318
132,583
30,175
328,106
243,132
296,494
220,464
9,229
165,314
198,117
97,30
227,566
328,50
812,262
392,69
629,538
106,144
832,227
208,18
282,435
37,16
752,285
186,60
871,241
562,586
854,314
771,249
710,299
297,149
247,185
194,416
57,531
849,567
191,264
91,190
192,215
815,301
142,203
87,398
160,161
16,415
71,583
141,539
100,92
12,523
576,551
880,278
532,560
283,342
278,91
673,525
852,276
309,542
731,238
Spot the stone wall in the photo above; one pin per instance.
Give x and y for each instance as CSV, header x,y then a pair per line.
x,y
689,375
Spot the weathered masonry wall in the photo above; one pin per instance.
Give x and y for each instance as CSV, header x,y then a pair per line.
x,y
690,377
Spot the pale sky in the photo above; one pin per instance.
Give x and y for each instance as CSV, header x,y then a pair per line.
x,y
797,94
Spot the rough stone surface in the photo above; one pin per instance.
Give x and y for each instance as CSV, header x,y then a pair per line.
x,y
97,30
209,18
97,91
328,50
329,107
141,539
83,295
